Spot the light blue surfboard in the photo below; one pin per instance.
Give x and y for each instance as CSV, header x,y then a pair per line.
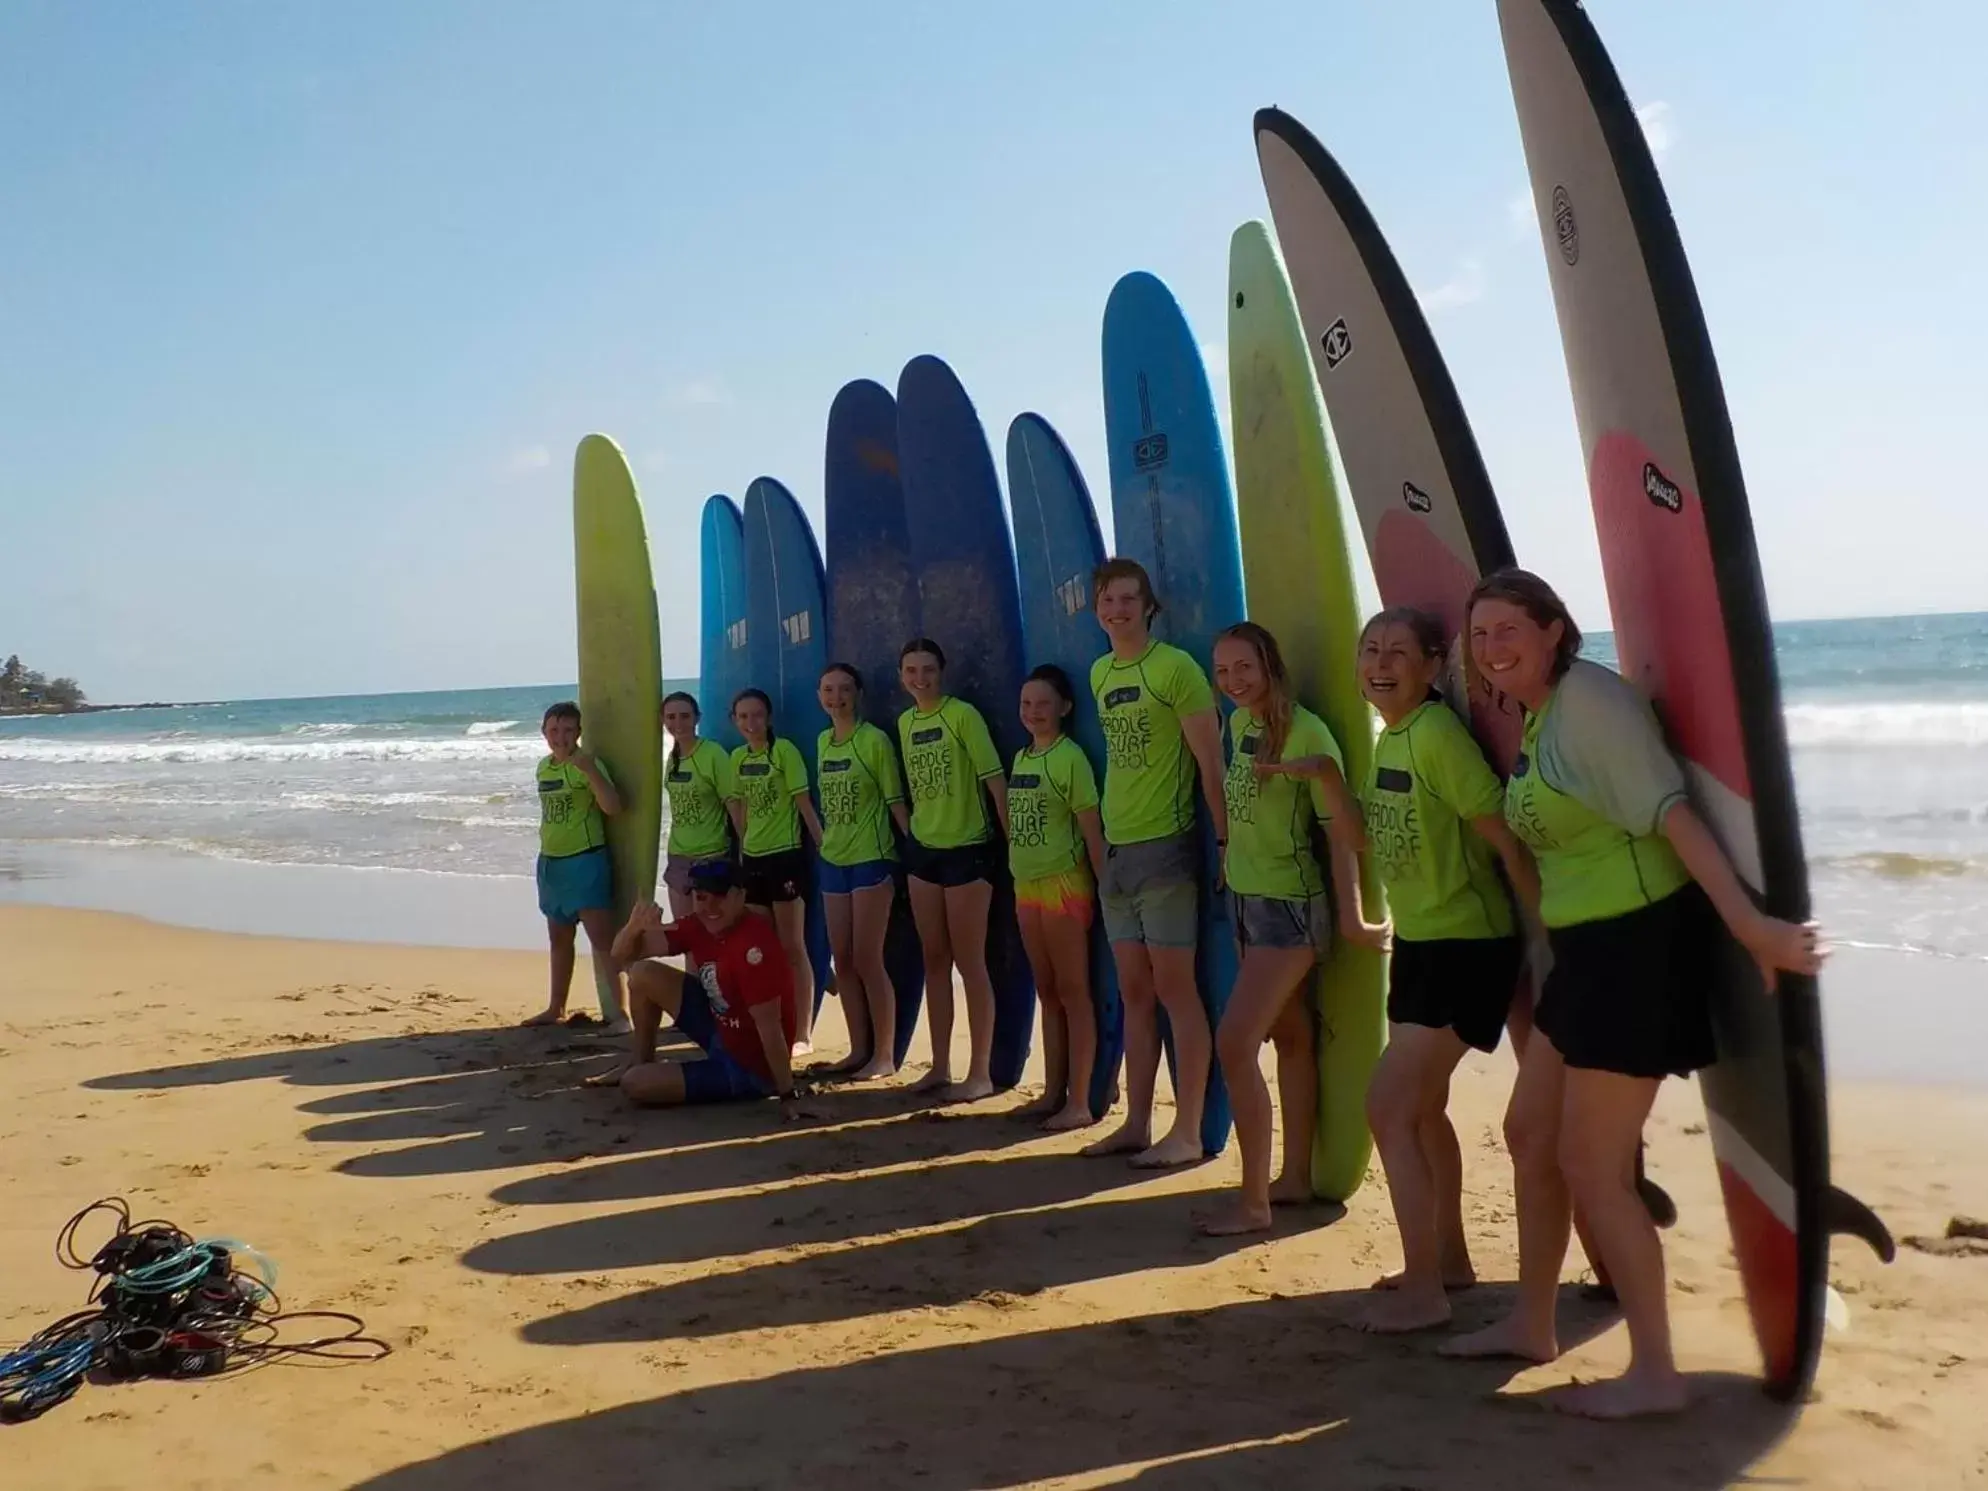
x,y
1057,548
873,612
722,657
1173,509
786,643
970,605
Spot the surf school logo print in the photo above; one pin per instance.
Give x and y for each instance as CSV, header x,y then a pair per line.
x,y
707,975
928,769
1028,811
1661,490
1565,228
761,788
1240,788
1418,500
841,794
1394,826
1336,344
1128,733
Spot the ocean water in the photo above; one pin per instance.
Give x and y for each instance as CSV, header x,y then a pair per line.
x,y
1888,720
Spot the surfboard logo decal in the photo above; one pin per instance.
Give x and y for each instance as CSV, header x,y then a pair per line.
x,y
799,627
1149,451
1661,490
1074,595
1418,500
1565,228
1336,344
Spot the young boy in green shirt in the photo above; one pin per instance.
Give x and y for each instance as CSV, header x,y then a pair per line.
x,y
575,874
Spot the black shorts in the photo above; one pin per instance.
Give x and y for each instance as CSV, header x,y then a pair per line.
x,y
773,878
1632,994
1463,984
950,868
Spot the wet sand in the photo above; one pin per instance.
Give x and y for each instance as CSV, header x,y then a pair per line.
x,y
584,1296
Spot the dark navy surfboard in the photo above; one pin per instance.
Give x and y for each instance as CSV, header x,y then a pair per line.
x,y
970,605
873,612
1057,548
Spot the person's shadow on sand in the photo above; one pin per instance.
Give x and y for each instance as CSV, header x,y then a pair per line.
x,y
1273,1392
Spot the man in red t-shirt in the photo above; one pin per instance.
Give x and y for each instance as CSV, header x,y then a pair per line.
x,y
736,1006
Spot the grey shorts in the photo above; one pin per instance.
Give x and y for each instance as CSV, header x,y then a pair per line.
x,y
1151,893
676,876
1265,921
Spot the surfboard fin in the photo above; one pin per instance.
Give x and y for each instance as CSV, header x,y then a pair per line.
x,y
1845,1216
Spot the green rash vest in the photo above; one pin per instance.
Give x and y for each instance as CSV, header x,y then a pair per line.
x,y
1427,783
859,781
1588,795
767,782
698,785
947,755
1271,817
1149,773
569,820
1046,792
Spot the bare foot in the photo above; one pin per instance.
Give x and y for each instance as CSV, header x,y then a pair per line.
x,y
849,1065
1403,1310
551,1015
1628,1396
1042,1107
1456,1281
933,1081
1128,1139
876,1071
1075,1116
609,1078
1238,1217
1290,1190
801,1048
1175,1149
972,1090
1505,1339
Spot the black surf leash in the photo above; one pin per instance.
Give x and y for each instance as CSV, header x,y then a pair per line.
x,y
166,1305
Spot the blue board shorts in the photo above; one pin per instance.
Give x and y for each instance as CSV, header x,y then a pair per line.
x,y
718,1078
569,884
1151,892
846,880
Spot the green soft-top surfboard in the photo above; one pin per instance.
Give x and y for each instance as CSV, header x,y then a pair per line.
x,y
621,669
1298,576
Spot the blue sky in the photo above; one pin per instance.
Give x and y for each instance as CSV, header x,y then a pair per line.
x,y
303,307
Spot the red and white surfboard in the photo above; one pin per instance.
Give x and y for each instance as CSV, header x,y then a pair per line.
x,y
1692,631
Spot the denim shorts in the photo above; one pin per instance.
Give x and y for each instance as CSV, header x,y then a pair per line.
x,y
1267,921
1151,893
846,880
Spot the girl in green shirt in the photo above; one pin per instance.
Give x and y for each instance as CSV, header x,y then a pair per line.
x,y
1633,888
1284,780
862,795
1055,850
697,775
953,775
776,824
1435,825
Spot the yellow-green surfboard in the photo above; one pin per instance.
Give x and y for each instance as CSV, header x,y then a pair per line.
x,y
1298,580
621,669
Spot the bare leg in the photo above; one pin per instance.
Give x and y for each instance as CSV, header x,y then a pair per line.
x,y
1055,1043
1264,985
1601,1129
1532,1134
600,928
790,919
1142,1051
560,937
1518,1025
870,908
654,989
928,910
1069,944
1193,1054
841,918
966,918
1404,1106
1297,1098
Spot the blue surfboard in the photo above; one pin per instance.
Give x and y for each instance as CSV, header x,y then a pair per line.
x,y
1174,510
873,612
786,643
1057,548
970,605
722,659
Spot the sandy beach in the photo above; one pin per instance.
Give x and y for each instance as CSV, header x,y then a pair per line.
x,y
583,1296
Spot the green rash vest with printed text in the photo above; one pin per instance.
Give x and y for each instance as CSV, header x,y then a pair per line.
x,y
698,785
858,781
1271,817
1427,783
767,782
1046,792
1588,795
569,820
1149,773
947,755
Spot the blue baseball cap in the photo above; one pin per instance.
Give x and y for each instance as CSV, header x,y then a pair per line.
x,y
715,876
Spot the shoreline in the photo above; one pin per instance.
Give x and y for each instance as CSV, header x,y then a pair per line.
x,y
947,1300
